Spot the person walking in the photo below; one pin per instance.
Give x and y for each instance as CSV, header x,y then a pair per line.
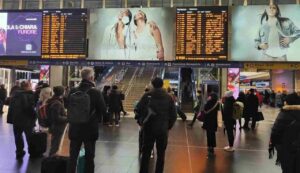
x,y
210,122
157,115
197,108
285,135
251,109
229,122
57,115
84,131
3,95
241,98
21,114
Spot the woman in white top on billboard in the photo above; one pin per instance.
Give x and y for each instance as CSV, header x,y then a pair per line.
x,y
275,34
118,38
148,43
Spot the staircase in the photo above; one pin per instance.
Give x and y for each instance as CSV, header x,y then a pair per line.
x,y
136,88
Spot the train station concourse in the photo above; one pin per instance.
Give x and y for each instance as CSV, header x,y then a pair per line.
x,y
149,86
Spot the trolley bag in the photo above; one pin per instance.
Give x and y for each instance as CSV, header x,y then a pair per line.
x,y
37,144
81,161
55,164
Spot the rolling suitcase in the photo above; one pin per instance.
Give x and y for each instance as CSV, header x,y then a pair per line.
x,y
37,144
55,164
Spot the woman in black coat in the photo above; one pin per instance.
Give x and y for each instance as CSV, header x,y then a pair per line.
x,y
114,105
251,109
241,98
211,122
228,120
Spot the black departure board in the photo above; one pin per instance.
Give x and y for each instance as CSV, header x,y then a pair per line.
x,y
201,33
64,34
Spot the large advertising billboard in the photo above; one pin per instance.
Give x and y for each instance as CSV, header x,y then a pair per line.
x,y
145,34
266,33
20,33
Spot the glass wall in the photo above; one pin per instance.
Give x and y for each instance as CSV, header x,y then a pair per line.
x,y
31,4
10,4
53,4
93,4
72,3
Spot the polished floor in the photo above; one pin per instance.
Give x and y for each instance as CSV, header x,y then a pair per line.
x,y
117,151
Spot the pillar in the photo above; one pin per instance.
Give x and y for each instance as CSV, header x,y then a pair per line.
x,y
56,76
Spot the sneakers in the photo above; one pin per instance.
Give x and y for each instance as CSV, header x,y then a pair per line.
x,y
229,149
117,125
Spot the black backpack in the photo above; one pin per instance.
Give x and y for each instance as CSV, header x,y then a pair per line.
x,y
79,107
292,137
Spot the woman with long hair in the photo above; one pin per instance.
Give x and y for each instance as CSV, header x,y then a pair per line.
x,y
275,34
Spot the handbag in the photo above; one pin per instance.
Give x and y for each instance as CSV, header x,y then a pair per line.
x,y
200,116
259,116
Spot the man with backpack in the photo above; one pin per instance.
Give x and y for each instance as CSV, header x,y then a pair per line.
x,y
22,115
285,135
156,114
85,108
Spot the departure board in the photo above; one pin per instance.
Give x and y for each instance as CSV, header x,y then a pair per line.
x,y
201,33
64,34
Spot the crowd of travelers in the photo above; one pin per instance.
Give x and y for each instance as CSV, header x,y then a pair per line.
x,y
80,109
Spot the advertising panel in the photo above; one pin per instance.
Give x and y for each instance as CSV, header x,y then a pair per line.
x,y
233,81
266,33
145,34
20,33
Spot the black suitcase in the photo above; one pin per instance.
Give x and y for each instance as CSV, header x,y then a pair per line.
x,y
37,144
55,164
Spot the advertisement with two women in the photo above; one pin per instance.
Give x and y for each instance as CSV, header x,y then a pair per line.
x,y
132,34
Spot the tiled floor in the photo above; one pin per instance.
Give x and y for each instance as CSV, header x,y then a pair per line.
x,y
117,151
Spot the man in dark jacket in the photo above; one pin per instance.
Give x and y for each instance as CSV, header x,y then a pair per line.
x,y
156,126
229,122
86,133
251,109
284,133
22,115
115,105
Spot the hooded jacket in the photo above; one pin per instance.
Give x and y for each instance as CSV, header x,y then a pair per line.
x,y
56,112
163,105
289,159
89,131
21,110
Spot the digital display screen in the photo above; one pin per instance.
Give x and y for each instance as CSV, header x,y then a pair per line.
x,y
233,81
266,33
20,33
45,73
201,33
145,34
64,34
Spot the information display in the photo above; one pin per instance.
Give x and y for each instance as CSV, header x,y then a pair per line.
x,y
20,33
64,34
145,34
266,33
201,33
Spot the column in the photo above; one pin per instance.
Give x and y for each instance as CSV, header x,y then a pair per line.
x,y
172,3
103,4
82,4
223,87
220,2
149,3
126,2
41,4
297,1
61,4
1,4
245,2
20,4
195,3
56,76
